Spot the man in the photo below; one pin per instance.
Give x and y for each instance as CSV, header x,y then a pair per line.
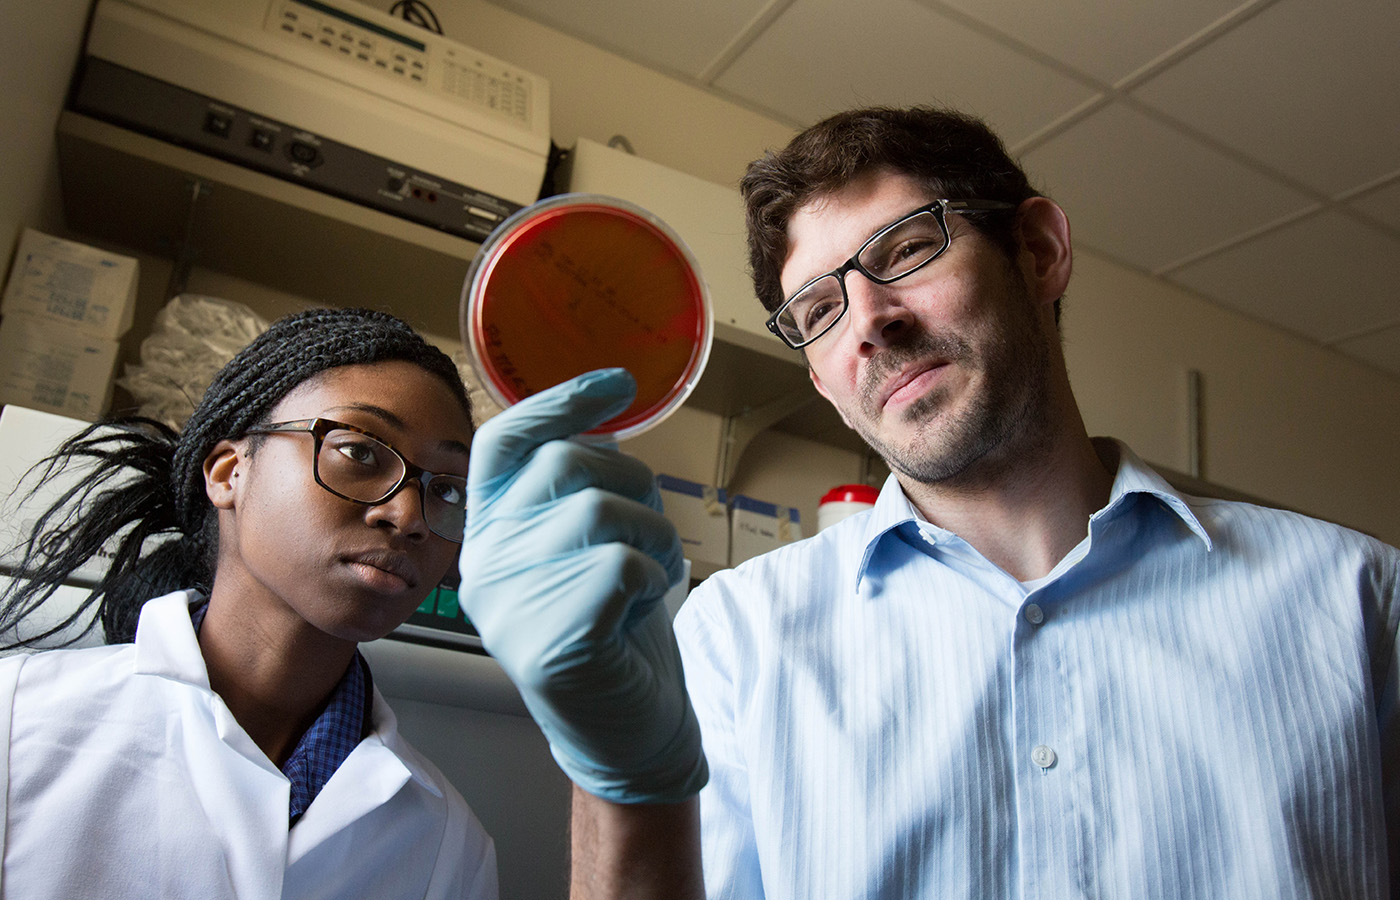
x,y
1034,669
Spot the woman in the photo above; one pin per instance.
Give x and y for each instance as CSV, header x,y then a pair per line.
x,y
238,748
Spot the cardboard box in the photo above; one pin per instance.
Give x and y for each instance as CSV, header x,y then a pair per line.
x,y
757,526
55,368
72,285
699,514
27,436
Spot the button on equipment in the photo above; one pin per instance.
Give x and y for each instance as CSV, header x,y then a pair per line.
x,y
304,153
218,123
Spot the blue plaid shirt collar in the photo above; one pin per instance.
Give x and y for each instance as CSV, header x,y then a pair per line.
x,y
336,732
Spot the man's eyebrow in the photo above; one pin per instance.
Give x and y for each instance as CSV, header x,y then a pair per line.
x,y
450,444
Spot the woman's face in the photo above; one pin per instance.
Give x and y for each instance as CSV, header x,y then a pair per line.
x,y
296,552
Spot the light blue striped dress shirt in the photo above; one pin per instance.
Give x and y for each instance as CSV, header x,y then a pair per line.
x,y
1198,702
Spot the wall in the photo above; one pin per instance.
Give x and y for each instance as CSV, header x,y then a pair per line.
x,y
1283,419
38,48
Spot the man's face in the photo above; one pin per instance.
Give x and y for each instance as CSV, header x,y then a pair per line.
x,y
944,373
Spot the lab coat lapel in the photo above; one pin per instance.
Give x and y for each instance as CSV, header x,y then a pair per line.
x,y
370,776
235,781
167,647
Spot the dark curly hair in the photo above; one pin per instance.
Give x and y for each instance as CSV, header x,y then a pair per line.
x,y
144,483
954,155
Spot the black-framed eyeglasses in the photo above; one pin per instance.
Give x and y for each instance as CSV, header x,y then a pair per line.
x,y
358,466
899,249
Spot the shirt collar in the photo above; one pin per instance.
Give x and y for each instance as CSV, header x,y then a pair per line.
x,y
1132,479
1135,477
336,732
167,647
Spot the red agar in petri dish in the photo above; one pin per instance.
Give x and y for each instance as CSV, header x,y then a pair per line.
x,y
580,282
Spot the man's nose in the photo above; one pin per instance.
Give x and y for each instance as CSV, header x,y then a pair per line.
x,y
877,316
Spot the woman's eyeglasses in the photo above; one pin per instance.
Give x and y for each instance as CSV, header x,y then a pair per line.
x,y
357,466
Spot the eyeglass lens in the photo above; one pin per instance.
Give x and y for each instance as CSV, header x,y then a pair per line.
x,y
364,469
889,256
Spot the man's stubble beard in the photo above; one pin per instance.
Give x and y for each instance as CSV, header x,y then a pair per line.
x,y
1001,425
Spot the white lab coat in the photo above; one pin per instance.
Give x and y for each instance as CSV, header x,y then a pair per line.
x,y
125,776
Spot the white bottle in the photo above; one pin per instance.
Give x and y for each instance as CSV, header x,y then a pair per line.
x,y
843,500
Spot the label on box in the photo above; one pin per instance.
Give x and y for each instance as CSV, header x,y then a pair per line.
x,y
758,526
72,284
699,514
54,368
27,436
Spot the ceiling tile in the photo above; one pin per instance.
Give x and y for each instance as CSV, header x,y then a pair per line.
x,y
1380,349
1325,277
1382,204
1307,87
816,59
1149,196
1105,39
675,37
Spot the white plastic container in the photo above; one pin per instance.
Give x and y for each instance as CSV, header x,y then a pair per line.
x,y
844,500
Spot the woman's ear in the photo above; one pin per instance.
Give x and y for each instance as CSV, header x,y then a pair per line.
x,y
1046,254
222,469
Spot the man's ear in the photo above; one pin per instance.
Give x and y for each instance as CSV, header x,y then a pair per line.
x,y
222,470
1047,256
821,389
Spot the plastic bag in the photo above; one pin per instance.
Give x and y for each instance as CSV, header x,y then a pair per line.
x,y
193,338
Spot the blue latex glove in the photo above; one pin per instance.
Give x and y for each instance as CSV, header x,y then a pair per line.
x,y
564,564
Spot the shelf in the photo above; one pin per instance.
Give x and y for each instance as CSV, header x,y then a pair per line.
x,y
739,380
135,191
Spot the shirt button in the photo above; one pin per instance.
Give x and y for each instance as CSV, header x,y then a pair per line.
x,y
1034,614
1043,756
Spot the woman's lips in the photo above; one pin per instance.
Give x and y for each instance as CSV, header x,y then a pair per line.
x,y
385,570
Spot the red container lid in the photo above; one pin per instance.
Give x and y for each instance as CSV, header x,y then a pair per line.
x,y
851,493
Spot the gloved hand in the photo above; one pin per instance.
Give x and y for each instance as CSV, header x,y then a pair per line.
x,y
565,561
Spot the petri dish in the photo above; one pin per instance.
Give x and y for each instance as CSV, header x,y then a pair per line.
x,y
579,282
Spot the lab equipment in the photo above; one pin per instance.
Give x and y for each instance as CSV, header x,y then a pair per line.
x,y
580,282
330,94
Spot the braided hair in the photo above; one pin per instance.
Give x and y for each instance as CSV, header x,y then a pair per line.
x,y
144,483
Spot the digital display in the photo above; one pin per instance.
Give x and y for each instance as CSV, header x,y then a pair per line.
x,y
361,23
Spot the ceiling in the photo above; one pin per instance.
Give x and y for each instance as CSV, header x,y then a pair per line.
x,y
1246,151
